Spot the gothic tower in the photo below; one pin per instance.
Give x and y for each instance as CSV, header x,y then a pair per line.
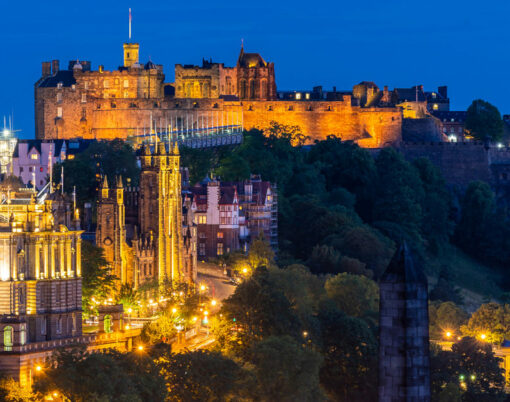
x,y
404,362
161,208
111,230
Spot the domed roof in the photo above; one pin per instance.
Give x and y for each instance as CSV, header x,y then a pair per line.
x,y
77,66
150,65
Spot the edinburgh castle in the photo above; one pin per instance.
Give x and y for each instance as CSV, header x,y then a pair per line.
x,y
99,104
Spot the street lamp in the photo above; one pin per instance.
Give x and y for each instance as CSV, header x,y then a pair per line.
x,y
140,348
213,302
448,334
483,336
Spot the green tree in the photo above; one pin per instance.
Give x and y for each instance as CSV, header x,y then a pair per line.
x,y
256,310
233,168
445,289
200,376
473,232
355,295
483,121
128,296
12,391
472,367
349,348
200,162
446,317
398,196
285,370
163,329
82,376
492,320
97,281
436,225
111,158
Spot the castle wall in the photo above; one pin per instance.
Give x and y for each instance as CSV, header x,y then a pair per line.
x,y
460,163
371,127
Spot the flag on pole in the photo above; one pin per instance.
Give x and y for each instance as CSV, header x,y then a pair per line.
x,y
130,24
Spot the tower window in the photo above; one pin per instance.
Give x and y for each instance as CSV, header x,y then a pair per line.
x,y
8,332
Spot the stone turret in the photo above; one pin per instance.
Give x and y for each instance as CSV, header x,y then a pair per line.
x,y
404,361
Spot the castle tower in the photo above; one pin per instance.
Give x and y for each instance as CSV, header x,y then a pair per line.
x,y
404,361
161,208
131,51
111,231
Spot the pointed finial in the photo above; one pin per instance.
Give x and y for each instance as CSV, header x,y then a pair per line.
x,y
105,182
242,43
161,148
119,182
176,148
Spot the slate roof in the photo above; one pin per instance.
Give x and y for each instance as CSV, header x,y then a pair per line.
x,y
66,77
409,94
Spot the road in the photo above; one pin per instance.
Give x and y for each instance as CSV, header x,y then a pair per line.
x,y
218,287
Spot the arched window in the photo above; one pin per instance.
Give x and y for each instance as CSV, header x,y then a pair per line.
x,y
253,86
107,323
263,89
8,335
242,89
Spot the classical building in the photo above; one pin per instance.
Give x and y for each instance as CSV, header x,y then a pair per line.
x,y
157,239
40,282
134,100
229,215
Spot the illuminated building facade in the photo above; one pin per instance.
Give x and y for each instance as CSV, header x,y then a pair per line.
x,y
159,242
229,215
40,282
80,102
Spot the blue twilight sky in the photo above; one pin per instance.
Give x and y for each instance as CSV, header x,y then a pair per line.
x,y
462,44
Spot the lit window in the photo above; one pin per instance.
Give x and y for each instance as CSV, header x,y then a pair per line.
x,y
86,85
219,250
106,83
307,96
8,332
70,157
107,323
298,96
33,156
60,85
126,83
22,335
59,112
220,235
436,106
83,98
59,97
202,219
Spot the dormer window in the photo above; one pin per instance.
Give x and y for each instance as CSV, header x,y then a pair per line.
x,y
60,85
34,156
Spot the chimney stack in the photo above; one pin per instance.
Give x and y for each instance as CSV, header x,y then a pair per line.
x,y
46,68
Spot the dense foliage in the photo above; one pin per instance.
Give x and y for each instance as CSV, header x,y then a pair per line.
x,y
483,121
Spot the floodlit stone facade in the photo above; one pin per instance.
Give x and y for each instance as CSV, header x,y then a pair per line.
x,y
100,104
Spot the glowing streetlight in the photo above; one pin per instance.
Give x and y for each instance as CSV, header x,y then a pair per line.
x,y
38,368
126,326
448,334
174,310
473,377
213,302
130,310
305,334
245,270
140,348
202,288
55,394
206,312
483,336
